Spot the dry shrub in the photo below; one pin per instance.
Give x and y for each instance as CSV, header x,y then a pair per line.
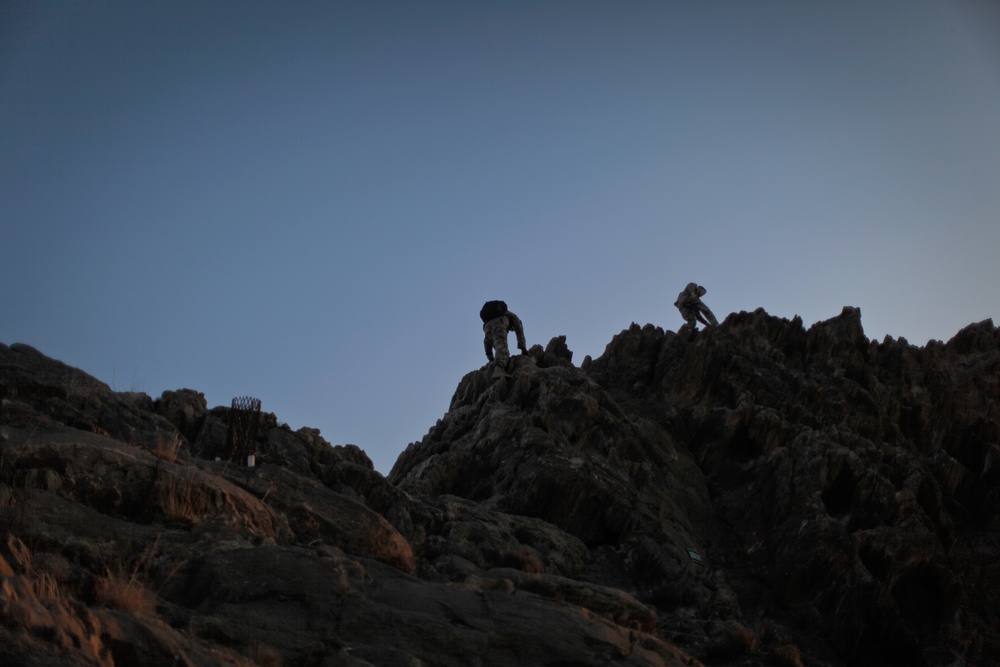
x,y
265,656
166,448
119,593
181,498
788,655
18,553
119,590
38,605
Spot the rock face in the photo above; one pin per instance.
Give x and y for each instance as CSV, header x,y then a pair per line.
x,y
760,495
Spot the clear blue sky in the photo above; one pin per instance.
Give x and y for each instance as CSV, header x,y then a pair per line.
x,y
309,202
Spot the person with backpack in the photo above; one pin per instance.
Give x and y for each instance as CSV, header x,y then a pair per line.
x,y
497,322
693,310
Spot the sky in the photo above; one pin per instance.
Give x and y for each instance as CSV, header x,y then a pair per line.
x,y
309,202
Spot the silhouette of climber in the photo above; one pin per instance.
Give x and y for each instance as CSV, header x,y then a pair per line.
x,y
693,310
497,322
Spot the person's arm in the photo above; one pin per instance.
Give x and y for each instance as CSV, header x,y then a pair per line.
x,y
708,313
515,325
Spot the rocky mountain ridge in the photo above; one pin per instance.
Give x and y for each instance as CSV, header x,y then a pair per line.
x,y
762,494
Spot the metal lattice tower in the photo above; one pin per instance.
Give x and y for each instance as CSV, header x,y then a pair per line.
x,y
244,423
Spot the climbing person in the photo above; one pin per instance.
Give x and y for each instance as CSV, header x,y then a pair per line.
x,y
497,322
693,310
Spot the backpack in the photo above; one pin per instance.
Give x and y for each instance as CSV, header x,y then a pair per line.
x,y
491,310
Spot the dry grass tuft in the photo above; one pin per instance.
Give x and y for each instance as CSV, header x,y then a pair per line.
x,y
119,589
168,447
181,497
265,656
120,593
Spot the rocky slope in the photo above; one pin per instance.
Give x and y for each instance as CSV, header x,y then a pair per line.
x,y
759,495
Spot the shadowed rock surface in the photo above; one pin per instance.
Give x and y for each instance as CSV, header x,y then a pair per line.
x,y
760,495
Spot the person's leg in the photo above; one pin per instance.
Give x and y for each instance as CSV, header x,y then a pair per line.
x,y
497,329
687,331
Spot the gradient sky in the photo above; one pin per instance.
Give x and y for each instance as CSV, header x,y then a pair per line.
x,y
309,202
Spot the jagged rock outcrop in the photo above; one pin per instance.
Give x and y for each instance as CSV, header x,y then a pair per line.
x,y
842,492
762,494
128,543
857,476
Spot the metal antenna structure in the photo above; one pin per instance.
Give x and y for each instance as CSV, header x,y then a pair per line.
x,y
244,423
